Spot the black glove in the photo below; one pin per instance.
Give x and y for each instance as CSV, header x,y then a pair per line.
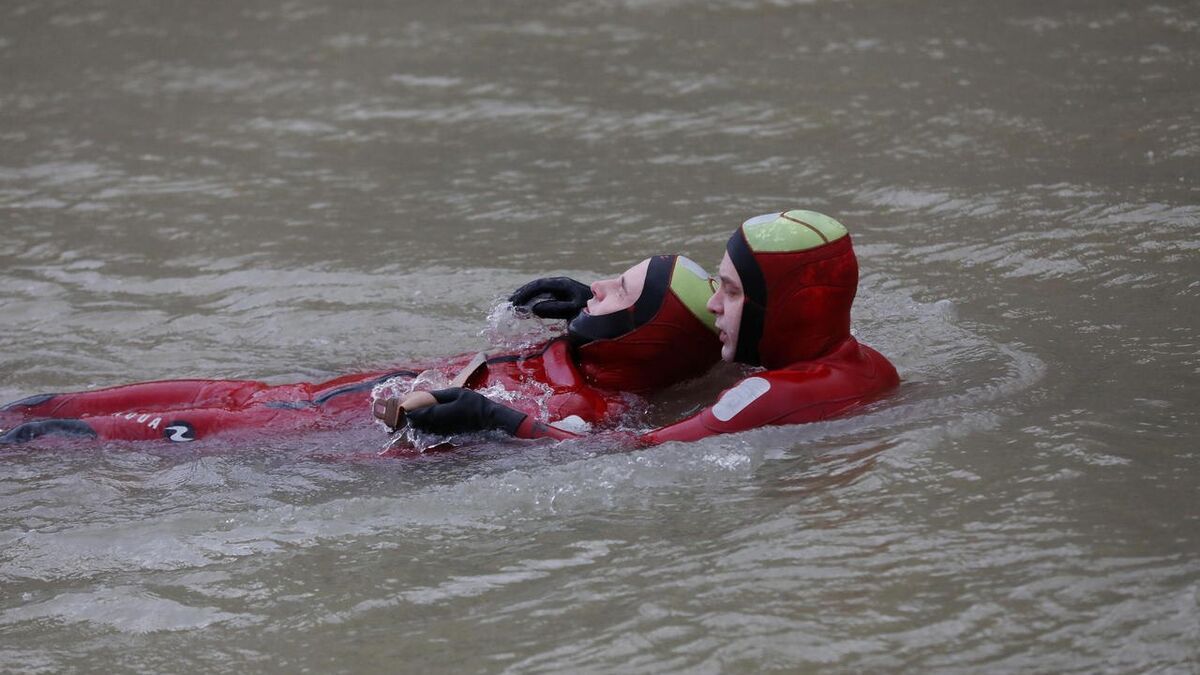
x,y
462,411
567,297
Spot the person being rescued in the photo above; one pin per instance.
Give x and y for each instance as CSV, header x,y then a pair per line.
x,y
786,285
644,331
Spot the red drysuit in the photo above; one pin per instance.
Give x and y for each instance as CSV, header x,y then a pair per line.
x,y
661,340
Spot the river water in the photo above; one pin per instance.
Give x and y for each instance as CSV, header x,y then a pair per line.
x,y
288,190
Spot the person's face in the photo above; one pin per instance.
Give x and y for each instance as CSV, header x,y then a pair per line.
x,y
727,303
612,295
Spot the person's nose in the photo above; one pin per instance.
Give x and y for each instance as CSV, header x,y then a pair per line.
x,y
598,291
714,304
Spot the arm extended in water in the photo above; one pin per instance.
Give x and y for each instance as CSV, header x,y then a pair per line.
x,y
460,410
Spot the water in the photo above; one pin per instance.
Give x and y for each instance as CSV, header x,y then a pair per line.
x,y
293,190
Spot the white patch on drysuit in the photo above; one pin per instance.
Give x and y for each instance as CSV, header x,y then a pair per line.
x,y
573,424
735,400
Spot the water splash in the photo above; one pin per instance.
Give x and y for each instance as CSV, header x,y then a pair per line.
x,y
510,327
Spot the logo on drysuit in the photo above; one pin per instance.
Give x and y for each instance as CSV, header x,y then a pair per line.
x,y
179,432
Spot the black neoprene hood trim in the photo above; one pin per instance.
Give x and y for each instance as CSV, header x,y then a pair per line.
x,y
754,288
586,328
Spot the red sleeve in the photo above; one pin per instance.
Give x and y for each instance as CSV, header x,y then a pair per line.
x,y
145,396
735,410
796,395
691,429
530,428
761,400
775,397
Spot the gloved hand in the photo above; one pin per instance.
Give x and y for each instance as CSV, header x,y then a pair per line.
x,y
567,297
462,411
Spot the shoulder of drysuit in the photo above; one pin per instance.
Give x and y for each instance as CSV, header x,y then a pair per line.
x,y
849,370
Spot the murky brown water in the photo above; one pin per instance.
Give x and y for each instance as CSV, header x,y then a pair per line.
x,y
291,190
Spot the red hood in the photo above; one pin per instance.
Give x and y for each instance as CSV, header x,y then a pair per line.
x,y
672,347
797,305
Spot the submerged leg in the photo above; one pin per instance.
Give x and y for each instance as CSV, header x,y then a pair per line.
x,y
162,395
177,426
29,431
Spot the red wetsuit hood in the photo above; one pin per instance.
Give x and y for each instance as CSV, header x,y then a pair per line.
x,y
799,274
674,346
666,337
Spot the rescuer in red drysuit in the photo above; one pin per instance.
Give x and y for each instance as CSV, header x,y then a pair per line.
x,y
786,285
650,331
